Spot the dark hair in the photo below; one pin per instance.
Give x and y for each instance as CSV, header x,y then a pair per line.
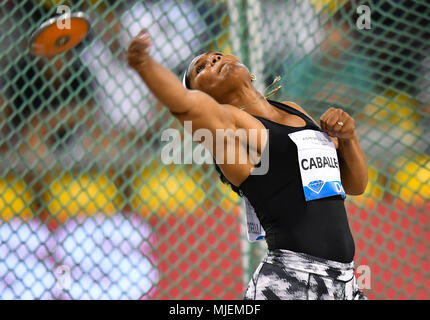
x,y
188,70
187,79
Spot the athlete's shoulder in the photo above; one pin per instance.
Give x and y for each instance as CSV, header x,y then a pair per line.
x,y
299,108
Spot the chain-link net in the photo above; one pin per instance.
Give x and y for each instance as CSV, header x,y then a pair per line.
x,y
89,211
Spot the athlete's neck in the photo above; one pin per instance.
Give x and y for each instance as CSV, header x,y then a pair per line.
x,y
250,100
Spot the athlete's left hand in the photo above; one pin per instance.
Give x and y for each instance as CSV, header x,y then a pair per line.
x,y
337,123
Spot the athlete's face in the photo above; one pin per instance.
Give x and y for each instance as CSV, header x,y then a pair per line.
x,y
217,74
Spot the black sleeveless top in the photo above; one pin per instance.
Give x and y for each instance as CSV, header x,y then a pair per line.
x,y
318,227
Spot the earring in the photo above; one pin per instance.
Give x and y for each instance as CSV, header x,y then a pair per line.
x,y
253,77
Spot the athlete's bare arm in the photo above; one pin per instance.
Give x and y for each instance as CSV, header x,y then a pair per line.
x,y
185,104
193,105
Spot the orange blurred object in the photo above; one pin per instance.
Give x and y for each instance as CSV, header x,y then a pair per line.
x,y
49,39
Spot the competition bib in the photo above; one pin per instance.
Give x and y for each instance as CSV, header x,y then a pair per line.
x,y
319,166
253,227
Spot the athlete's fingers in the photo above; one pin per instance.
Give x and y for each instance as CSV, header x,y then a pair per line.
x,y
328,119
323,118
139,44
348,129
331,122
337,123
141,33
139,49
334,117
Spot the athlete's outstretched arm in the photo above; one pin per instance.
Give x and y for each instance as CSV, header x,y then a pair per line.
x,y
185,104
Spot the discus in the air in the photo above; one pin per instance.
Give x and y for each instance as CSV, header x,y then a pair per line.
x,y
52,38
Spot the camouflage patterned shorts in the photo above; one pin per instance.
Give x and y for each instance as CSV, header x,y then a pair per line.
x,y
288,275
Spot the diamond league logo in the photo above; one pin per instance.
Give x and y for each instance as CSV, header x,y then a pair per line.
x,y
316,185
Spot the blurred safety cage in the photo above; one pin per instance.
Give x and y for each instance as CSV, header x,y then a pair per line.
x,y
89,211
